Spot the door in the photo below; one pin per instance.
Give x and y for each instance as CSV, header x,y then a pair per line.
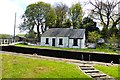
x,y
53,42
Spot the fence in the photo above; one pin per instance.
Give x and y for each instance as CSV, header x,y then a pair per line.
x,y
6,41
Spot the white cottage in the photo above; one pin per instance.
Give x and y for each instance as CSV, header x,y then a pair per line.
x,y
64,37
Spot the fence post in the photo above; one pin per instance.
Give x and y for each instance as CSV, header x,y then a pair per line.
x,y
89,57
82,57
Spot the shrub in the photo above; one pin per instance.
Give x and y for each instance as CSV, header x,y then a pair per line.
x,y
93,36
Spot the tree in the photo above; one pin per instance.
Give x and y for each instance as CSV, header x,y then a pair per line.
x,y
37,15
118,36
67,23
89,26
30,34
88,22
76,15
5,36
93,36
51,19
113,40
106,14
61,12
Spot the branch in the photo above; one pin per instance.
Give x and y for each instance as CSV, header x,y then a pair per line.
x,y
116,22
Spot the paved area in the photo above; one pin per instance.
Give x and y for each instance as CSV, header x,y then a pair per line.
x,y
85,66
1,51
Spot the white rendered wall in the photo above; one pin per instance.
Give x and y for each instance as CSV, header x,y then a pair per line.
x,y
71,44
66,42
43,41
83,42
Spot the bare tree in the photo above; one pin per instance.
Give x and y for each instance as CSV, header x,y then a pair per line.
x,y
106,12
61,12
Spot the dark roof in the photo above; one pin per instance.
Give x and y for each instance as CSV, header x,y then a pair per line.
x,y
64,32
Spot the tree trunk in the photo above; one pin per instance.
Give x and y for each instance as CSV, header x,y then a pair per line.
x,y
42,28
105,33
38,33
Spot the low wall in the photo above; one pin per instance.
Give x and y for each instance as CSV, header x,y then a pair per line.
x,y
66,54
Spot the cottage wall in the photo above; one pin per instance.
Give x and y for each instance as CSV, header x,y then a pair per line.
x,y
66,42
83,42
71,43
43,41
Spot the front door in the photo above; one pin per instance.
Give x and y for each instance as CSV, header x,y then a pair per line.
x,y
53,42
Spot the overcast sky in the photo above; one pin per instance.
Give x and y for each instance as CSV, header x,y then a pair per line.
x,y
8,8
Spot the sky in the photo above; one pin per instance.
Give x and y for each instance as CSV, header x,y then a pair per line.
x,y
10,7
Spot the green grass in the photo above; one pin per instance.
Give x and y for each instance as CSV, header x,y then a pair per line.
x,y
113,71
108,51
22,67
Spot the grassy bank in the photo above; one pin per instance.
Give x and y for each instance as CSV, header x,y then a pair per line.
x,y
113,71
101,50
22,67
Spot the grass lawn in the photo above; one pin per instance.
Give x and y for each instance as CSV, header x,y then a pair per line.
x,y
113,71
108,51
22,67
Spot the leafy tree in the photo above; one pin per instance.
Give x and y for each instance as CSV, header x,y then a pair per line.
x,y
76,15
51,19
113,40
67,24
89,25
118,36
31,34
5,36
37,14
113,31
88,22
61,12
106,14
93,36
20,35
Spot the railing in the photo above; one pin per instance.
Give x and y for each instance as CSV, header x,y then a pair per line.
x,y
6,41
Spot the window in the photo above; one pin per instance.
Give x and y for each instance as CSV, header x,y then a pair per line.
x,y
47,41
75,42
60,41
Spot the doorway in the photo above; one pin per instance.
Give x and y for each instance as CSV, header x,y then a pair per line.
x,y
53,42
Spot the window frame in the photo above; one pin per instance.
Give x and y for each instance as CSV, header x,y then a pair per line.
x,y
47,41
60,41
75,42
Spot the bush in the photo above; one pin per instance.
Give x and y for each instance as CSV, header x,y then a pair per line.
x,y
113,41
104,45
93,36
